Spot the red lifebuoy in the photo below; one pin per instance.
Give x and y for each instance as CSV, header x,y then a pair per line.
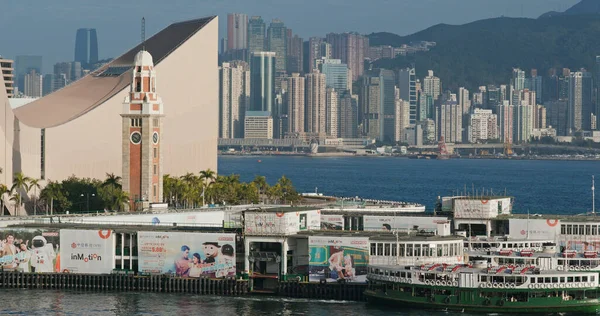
x,y
484,201
279,214
552,222
103,235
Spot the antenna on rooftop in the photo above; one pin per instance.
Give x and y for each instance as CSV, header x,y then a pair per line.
x,y
143,33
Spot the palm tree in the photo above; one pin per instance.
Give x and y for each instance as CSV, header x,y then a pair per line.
x,y
20,182
261,184
3,190
52,191
121,199
16,197
113,180
208,177
35,185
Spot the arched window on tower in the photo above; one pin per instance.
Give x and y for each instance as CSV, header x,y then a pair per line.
x,y
138,86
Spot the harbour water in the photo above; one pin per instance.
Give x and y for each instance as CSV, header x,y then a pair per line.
x,y
539,186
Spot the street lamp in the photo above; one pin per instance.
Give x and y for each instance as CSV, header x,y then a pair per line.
x,y
88,199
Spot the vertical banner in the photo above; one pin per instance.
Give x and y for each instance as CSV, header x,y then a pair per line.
x,y
187,254
338,258
87,251
29,250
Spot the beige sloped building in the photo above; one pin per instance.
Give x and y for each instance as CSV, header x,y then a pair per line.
x,y
82,123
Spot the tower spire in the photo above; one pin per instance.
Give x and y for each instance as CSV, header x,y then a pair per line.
x,y
143,33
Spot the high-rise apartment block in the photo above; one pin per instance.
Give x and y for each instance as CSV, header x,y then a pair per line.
x,y
449,119
332,112
234,98
580,101
432,85
262,81
464,100
348,116
295,96
23,65
505,115
86,47
295,51
523,119
351,49
402,119
33,82
237,31
318,48
7,69
315,102
378,103
483,126
277,43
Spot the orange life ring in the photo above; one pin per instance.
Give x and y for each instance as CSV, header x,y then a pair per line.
x,y
66,271
484,201
552,222
279,214
103,235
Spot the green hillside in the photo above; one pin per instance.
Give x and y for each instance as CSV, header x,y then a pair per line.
x,y
485,51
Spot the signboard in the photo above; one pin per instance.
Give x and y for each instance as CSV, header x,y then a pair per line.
x,y
481,208
29,250
281,223
187,254
540,229
338,258
87,251
208,218
402,222
332,222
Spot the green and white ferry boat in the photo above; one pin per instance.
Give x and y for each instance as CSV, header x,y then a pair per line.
x,y
479,288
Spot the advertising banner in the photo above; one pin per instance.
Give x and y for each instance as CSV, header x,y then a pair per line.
x,y
30,250
427,224
338,258
278,223
87,251
187,254
332,222
546,229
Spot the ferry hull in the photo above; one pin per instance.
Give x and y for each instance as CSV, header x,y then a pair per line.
x,y
544,306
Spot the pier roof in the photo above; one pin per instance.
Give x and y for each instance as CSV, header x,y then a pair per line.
x,y
571,218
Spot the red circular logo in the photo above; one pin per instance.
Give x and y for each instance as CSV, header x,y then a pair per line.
x,y
104,235
85,260
73,245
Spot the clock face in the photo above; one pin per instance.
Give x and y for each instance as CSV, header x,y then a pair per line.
x,y
155,138
136,137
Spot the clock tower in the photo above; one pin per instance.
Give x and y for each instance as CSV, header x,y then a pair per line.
x,y
142,130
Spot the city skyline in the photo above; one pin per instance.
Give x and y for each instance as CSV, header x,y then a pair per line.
x,y
395,17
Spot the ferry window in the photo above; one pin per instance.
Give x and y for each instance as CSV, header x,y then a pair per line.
x,y
577,279
540,280
417,250
588,230
379,249
402,275
581,229
584,279
439,250
394,250
561,262
594,230
569,230
532,280
445,250
569,279
387,249
547,280
409,250
484,278
402,250
562,279
373,248
554,280
592,279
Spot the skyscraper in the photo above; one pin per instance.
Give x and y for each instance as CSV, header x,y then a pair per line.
x,y
295,95
256,35
233,98
407,83
277,42
402,119
518,79
317,49
463,100
348,116
351,49
23,65
315,102
505,114
237,31
332,112
378,103
33,84
580,101
86,47
483,125
262,81
336,75
449,119
295,51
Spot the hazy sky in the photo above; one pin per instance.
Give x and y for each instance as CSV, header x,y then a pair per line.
x,y
47,28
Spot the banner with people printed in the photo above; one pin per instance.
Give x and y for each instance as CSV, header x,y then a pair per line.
x,y
30,250
187,254
336,259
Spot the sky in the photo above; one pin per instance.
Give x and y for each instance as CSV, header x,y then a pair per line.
x,y
47,28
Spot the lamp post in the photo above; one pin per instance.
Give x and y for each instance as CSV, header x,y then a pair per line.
x,y
88,199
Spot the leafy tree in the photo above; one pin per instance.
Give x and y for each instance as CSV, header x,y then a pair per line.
x,y
3,190
54,192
